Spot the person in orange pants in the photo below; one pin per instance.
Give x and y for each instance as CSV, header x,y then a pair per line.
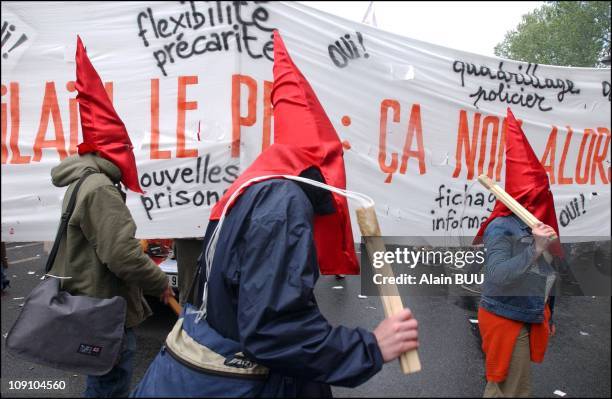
x,y
515,315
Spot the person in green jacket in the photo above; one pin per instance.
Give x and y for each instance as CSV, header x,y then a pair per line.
x,y
100,256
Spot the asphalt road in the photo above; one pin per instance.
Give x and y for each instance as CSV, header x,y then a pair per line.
x,y
577,362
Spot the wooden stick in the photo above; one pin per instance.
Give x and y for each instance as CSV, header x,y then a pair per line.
x,y
172,302
392,302
174,305
512,204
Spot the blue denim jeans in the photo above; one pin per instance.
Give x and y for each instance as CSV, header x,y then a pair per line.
x,y
115,383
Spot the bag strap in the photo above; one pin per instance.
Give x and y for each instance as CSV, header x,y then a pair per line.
x,y
121,192
196,279
64,222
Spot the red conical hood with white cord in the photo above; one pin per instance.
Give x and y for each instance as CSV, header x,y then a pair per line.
x,y
305,137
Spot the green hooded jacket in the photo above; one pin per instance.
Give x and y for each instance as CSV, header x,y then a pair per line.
x,y
99,251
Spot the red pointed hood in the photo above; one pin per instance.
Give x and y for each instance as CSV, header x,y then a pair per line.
x,y
305,137
526,181
103,130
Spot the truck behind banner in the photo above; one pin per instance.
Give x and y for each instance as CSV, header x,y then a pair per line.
x,y
192,82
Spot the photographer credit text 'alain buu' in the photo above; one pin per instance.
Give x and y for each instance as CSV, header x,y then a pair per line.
x,y
411,258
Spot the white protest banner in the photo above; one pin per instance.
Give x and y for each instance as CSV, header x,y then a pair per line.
x,y
192,83
17,37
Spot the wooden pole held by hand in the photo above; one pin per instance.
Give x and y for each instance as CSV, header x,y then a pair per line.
x,y
174,305
512,204
392,302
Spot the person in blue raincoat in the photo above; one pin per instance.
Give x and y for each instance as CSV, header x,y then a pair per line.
x,y
257,329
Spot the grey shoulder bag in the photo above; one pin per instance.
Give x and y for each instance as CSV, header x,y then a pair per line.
x,y
74,333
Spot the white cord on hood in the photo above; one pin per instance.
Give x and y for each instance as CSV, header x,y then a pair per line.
x,y
209,253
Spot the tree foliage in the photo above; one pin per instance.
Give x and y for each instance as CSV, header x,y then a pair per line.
x,y
569,33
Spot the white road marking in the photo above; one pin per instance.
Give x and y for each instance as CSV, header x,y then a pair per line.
x,y
14,262
23,246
